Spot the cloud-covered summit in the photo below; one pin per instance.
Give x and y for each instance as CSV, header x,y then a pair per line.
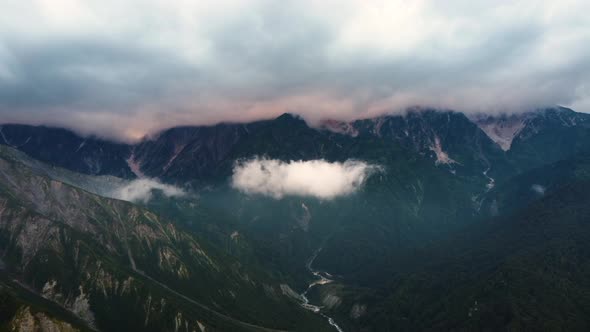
x,y
125,68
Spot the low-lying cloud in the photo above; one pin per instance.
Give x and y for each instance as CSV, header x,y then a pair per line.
x,y
313,178
539,189
141,190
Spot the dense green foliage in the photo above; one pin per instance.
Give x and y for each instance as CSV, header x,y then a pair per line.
x,y
484,240
120,267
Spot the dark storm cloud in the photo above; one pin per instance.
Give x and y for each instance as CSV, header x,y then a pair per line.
x,y
123,70
93,73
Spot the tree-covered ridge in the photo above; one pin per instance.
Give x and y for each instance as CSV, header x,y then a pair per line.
x,y
455,232
120,267
524,271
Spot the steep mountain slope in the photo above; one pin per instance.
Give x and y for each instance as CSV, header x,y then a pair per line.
x,y
447,137
102,185
66,149
433,177
24,310
503,128
549,136
120,267
441,174
541,137
529,186
207,154
412,200
526,271
187,152
196,153
504,144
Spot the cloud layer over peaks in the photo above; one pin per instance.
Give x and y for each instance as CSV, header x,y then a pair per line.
x,y
126,68
313,178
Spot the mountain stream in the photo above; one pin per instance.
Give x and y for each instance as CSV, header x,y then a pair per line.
x,y
322,278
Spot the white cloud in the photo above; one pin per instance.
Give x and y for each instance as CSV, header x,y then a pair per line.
x,y
315,178
141,190
539,189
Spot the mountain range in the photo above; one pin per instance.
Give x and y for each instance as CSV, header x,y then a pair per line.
x,y
466,223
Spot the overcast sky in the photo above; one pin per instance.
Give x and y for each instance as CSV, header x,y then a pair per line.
x,y
125,68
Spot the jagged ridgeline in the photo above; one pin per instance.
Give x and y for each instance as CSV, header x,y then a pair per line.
x,y
437,239
77,261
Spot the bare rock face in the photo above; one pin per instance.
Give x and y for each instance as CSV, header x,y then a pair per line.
x,y
539,137
81,307
25,321
64,148
503,129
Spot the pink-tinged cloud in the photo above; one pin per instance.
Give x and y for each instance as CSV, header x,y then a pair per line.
x,y
126,69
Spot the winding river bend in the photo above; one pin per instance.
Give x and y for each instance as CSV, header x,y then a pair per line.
x,y
322,278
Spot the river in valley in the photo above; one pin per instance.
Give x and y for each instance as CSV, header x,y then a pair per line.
x,y
322,278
